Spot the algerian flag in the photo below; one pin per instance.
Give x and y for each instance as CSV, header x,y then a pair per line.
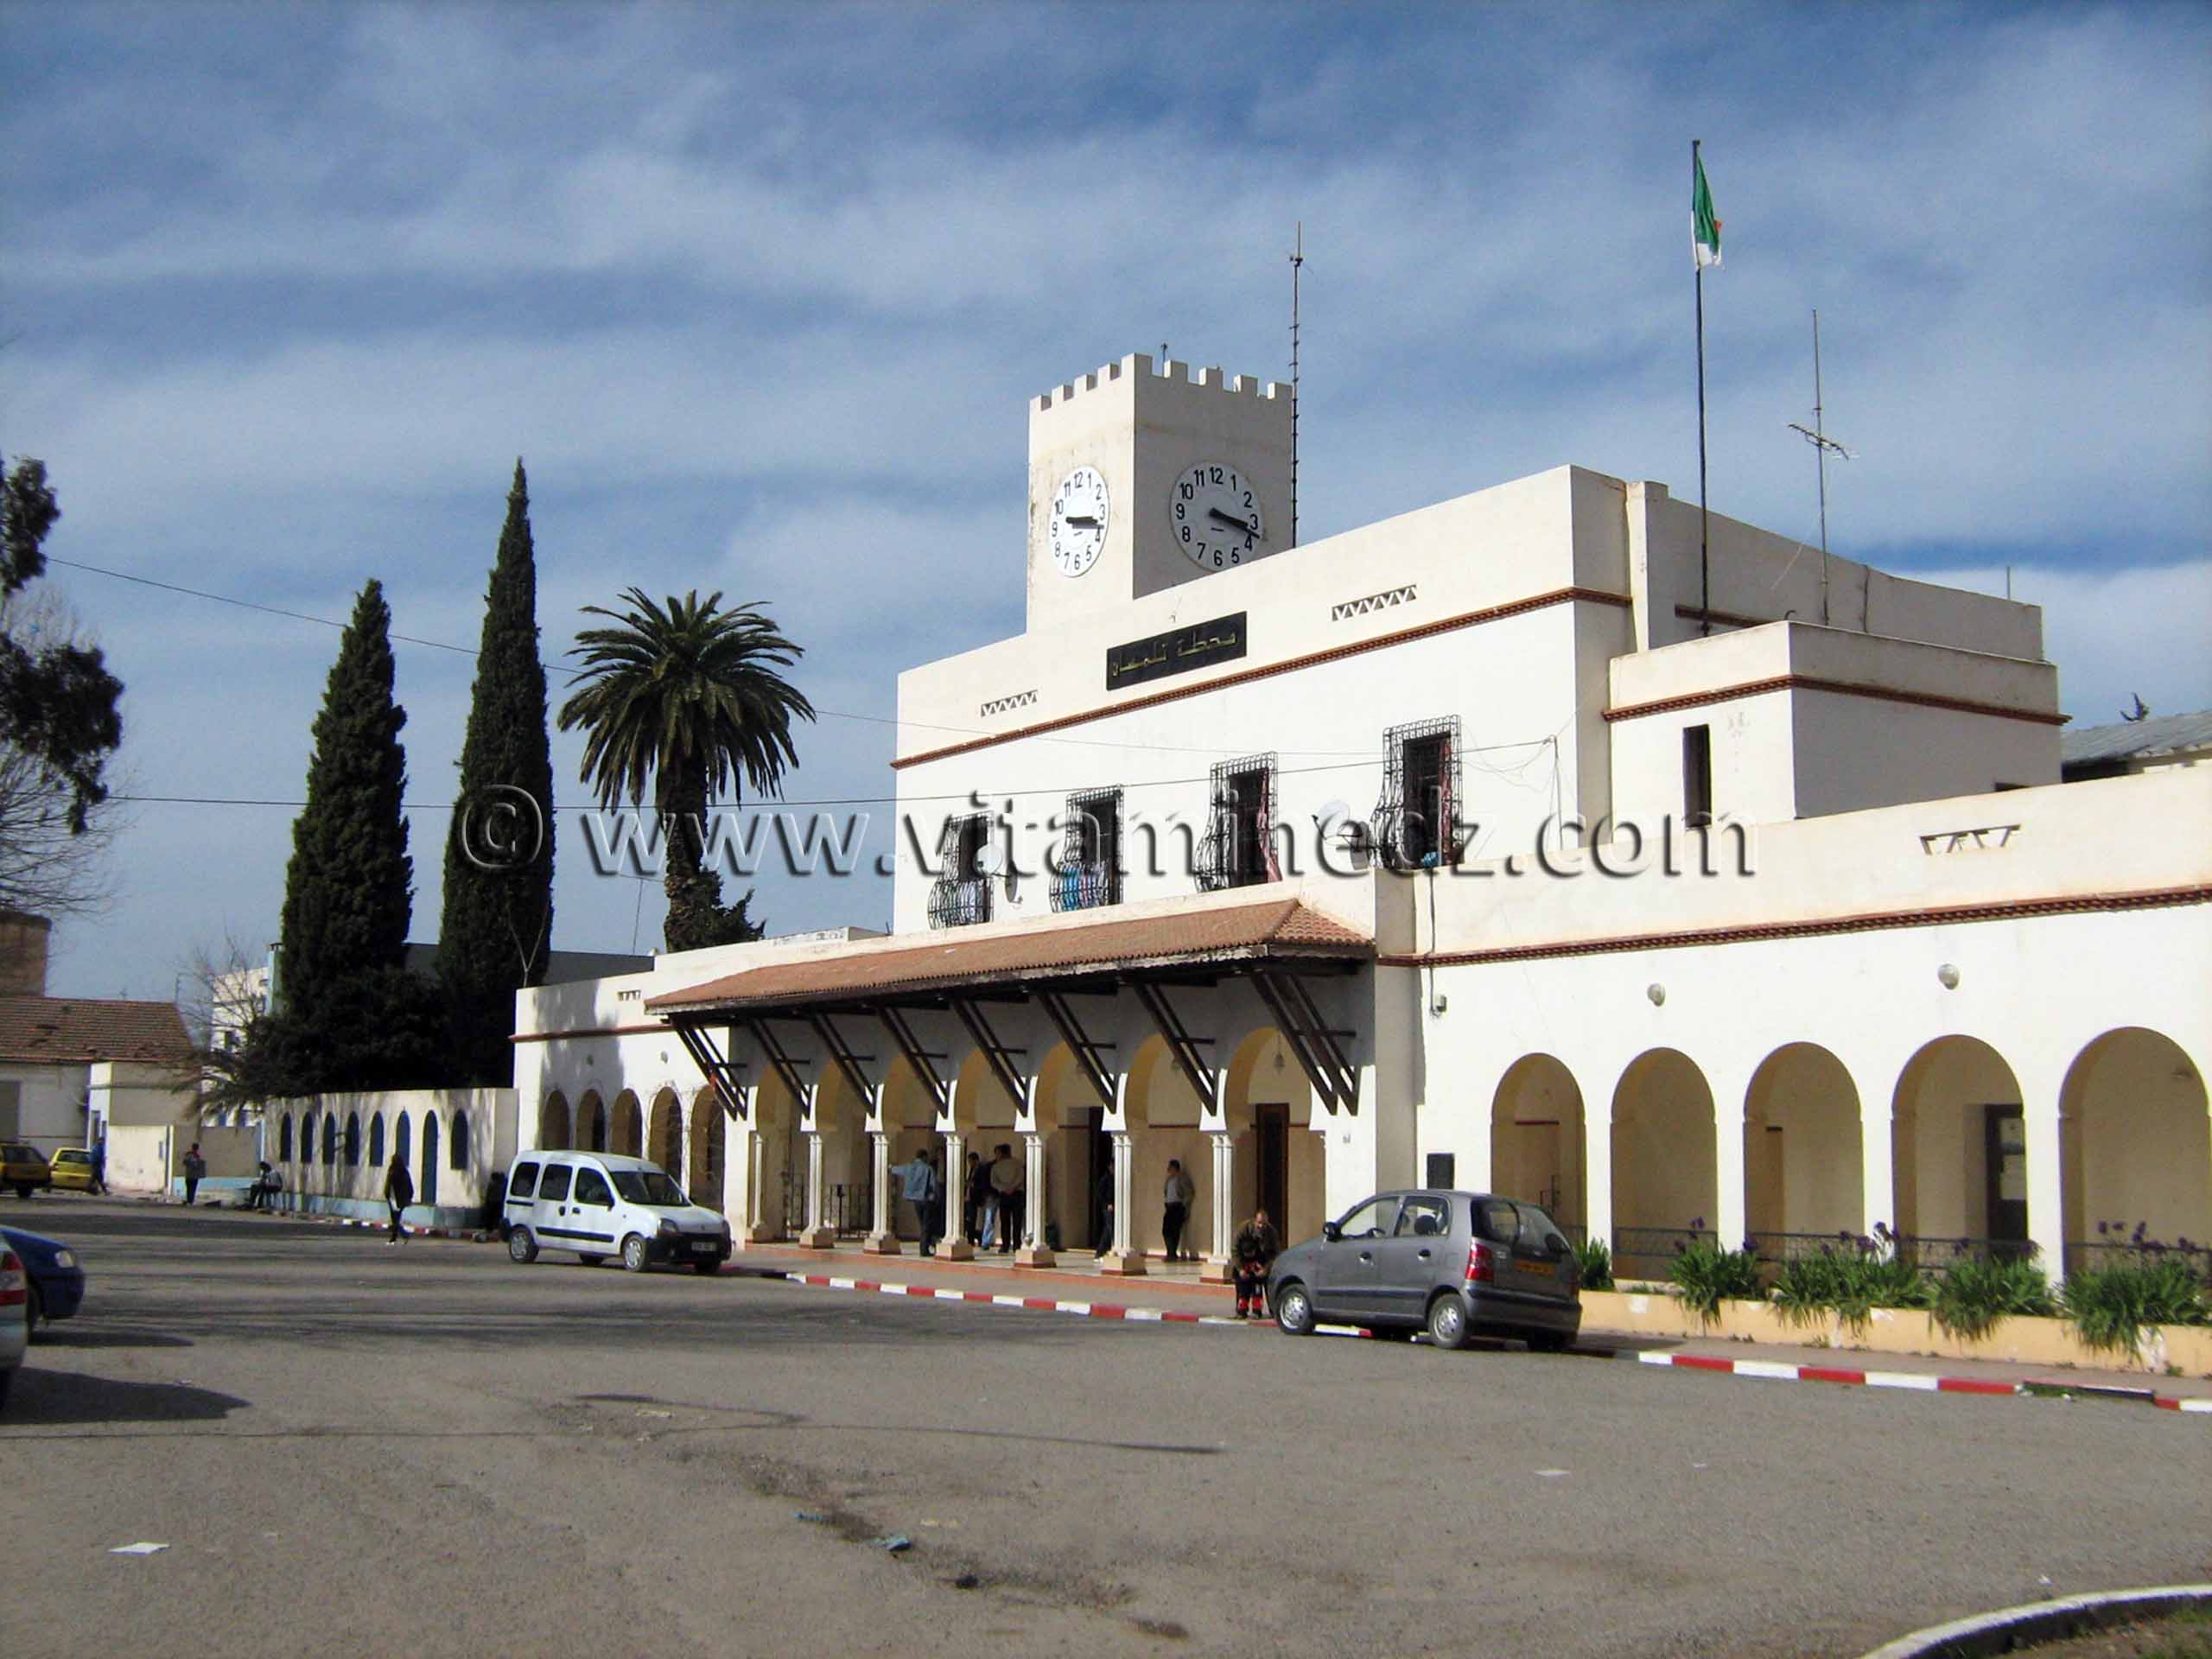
x,y
1704,228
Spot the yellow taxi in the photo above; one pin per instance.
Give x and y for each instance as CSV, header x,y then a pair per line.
x,y
24,1167
71,1169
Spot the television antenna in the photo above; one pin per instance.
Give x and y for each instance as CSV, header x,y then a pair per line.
x,y
1297,263
1823,446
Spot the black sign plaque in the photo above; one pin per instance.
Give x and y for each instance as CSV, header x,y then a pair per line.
x,y
1199,646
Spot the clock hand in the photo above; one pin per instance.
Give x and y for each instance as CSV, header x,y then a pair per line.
x,y
1088,521
1236,523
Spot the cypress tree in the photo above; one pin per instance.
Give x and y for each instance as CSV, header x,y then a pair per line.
x,y
497,925
349,887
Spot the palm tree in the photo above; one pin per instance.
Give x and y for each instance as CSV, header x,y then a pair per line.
x,y
689,698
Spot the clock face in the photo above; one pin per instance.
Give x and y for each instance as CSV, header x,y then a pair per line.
x,y
1079,509
1215,516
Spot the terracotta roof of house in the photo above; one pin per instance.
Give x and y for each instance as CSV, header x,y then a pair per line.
x,y
1275,929
66,1030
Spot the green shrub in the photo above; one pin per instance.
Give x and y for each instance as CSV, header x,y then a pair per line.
x,y
1978,1291
1596,1264
1706,1275
2110,1305
1850,1281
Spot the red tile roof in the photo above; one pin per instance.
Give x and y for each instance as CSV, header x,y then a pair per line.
x,y
1275,929
73,1030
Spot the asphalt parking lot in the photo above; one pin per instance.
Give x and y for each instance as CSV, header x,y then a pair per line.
x,y
361,1449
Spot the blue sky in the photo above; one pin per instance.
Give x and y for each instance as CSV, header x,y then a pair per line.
x,y
760,294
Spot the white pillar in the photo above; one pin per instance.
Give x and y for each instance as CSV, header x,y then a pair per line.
x,y
2046,1164
819,1235
882,1240
1035,1210
1124,1258
1877,1200
956,1245
1597,1170
1216,1268
1728,1218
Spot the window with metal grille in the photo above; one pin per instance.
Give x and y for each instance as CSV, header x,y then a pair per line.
x,y
962,896
1089,872
1417,820
1238,849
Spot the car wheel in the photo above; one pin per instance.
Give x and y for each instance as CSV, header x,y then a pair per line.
x,y
7,1381
1448,1321
633,1254
1294,1310
34,1313
521,1246
1549,1342
24,1189
590,1261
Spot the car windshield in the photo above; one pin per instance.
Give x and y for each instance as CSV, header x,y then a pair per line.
x,y
650,1186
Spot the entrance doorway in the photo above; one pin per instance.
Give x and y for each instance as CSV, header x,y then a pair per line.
x,y
2005,1142
1271,1133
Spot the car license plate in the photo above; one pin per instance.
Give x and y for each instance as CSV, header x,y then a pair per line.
x,y
704,1246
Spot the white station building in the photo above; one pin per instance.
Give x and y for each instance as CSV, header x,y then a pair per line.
x,y
1505,844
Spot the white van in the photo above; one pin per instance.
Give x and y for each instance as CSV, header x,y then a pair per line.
x,y
598,1204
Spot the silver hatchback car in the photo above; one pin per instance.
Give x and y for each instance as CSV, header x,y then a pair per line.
x,y
1454,1263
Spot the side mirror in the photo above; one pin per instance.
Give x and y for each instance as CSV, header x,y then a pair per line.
x,y
1330,1231
1555,1247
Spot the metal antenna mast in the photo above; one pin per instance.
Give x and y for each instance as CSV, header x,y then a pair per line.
x,y
1297,260
1823,446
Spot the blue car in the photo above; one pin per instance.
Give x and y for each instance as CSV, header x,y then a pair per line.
x,y
57,1285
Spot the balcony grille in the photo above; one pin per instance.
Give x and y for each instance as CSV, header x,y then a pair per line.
x,y
1416,822
1238,849
1087,873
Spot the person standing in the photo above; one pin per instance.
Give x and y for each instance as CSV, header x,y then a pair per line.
x,y
1006,1185
398,1193
974,1199
919,1186
1102,1211
1254,1253
194,1168
99,1165
1175,1213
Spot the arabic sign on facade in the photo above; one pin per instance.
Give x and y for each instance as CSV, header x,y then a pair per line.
x,y
1199,646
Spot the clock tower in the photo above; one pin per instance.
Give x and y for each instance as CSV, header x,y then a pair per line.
x,y
1141,479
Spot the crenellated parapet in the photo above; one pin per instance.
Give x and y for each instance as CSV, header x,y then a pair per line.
x,y
1173,371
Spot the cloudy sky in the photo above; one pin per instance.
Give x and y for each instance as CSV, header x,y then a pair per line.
x,y
759,295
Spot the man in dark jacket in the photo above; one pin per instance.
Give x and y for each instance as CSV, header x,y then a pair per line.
x,y
398,1192
1254,1252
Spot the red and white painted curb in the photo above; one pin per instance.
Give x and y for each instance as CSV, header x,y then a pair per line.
x,y
1917,1382
1036,1304
1777,1371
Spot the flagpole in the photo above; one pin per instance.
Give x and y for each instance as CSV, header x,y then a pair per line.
x,y
1703,564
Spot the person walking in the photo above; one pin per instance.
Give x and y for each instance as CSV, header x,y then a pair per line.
x,y
919,1185
1102,1212
99,1165
1006,1185
1254,1253
982,1204
194,1168
1175,1214
398,1192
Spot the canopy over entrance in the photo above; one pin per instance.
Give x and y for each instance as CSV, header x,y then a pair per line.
x,y
1276,945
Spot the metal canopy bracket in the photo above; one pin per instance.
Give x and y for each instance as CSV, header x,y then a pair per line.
x,y
718,1068
1084,1047
780,1058
995,1053
846,1061
1180,1043
1319,1055
922,1059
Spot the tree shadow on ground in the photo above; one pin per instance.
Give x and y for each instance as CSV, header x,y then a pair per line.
x,y
48,1398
